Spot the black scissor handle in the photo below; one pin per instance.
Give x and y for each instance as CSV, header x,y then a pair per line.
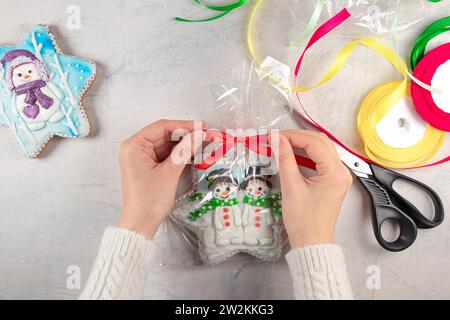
x,y
387,178
382,210
387,204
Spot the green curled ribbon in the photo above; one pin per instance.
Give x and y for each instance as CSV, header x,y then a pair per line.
x,y
223,10
318,7
271,202
211,205
433,30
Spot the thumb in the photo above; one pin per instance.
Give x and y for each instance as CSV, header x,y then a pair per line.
x,y
183,152
287,165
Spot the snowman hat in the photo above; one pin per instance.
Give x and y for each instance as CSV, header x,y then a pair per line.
x,y
19,57
220,175
255,173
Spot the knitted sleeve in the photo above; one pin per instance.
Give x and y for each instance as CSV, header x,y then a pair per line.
x,y
319,272
121,267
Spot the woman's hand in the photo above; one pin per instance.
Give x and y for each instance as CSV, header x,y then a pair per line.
x,y
311,205
151,165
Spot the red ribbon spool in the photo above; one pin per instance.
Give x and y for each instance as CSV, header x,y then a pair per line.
x,y
423,99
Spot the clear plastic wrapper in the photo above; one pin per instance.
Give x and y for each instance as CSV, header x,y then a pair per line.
x,y
234,204
370,17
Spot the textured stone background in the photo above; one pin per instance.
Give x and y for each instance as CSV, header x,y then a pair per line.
x,y
53,210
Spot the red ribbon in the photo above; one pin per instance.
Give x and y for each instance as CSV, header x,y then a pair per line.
x,y
322,31
259,144
423,99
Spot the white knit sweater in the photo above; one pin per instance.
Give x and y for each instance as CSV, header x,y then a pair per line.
x,y
125,257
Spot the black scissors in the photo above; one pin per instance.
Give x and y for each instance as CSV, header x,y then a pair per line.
x,y
387,204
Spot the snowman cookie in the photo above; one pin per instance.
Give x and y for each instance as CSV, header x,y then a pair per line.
x,y
227,213
233,208
260,209
41,90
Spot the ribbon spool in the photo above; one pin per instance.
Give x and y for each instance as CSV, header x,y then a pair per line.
x,y
433,30
377,105
434,69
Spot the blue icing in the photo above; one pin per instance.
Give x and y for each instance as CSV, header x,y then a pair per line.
x,y
79,73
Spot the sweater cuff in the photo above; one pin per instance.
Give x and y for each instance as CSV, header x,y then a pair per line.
x,y
121,267
319,272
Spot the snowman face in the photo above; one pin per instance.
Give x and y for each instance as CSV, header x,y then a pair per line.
x,y
257,189
25,73
225,190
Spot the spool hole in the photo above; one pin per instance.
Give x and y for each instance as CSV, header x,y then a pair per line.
x,y
403,123
390,230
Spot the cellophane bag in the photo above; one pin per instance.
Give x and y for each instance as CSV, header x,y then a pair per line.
x,y
369,17
234,203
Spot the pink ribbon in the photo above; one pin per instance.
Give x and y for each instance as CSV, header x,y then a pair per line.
x,y
322,31
423,99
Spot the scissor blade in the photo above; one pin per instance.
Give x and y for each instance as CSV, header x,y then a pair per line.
x,y
357,165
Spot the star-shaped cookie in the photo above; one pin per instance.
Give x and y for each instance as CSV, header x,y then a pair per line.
x,y
41,91
233,208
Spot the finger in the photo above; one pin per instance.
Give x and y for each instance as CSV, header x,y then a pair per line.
x,y
183,152
287,166
164,150
321,136
163,131
165,134
317,148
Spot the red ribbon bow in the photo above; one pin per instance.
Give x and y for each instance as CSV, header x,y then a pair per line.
x,y
259,144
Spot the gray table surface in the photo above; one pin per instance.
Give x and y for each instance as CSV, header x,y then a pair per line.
x,y
53,210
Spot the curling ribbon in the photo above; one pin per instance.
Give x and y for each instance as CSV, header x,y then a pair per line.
x,y
251,44
386,97
433,30
425,68
395,43
223,10
257,143
318,7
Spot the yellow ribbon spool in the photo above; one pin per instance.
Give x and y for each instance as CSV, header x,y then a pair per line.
x,y
378,103
375,106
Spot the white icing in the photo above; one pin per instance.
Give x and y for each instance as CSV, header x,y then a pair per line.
x,y
37,46
257,220
402,127
441,80
227,219
231,234
67,112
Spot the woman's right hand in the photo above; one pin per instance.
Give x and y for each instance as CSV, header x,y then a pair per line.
x,y
311,205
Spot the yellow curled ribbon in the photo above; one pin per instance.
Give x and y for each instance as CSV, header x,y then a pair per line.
x,y
377,105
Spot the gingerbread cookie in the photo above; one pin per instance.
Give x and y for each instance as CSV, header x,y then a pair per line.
x,y
41,91
236,204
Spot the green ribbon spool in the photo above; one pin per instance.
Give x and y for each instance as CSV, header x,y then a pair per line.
x,y
223,10
436,28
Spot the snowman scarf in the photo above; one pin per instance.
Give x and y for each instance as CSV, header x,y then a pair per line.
x,y
34,94
271,202
210,205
